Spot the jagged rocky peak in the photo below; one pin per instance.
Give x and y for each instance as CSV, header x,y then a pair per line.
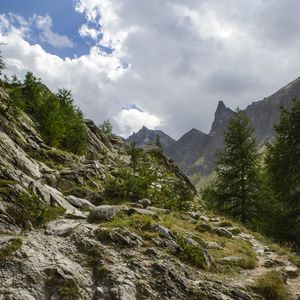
x,y
222,115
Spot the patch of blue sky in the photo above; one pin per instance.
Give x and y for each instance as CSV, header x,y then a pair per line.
x,y
130,106
65,22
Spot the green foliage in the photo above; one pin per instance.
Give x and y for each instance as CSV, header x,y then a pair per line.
x,y
60,121
63,288
31,93
236,190
75,135
191,253
29,210
106,127
271,286
12,246
131,182
283,165
145,178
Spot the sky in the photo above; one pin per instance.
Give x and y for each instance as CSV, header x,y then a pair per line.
x,y
163,64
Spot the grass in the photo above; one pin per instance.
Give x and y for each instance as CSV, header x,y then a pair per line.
x,y
13,246
233,247
271,287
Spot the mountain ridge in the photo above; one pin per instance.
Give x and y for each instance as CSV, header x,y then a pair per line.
x,y
198,157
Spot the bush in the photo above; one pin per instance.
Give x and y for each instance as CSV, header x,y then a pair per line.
x,y
13,246
29,210
191,254
271,287
62,288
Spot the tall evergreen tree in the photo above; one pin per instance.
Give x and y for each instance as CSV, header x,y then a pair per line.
x,y
237,170
283,164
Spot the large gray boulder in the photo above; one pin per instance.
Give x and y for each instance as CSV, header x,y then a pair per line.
x,y
105,212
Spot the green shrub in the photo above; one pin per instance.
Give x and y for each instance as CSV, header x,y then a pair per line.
x,y
29,210
191,254
271,286
62,288
13,246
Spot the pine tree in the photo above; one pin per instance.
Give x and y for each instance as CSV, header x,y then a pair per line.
x,y
283,165
237,170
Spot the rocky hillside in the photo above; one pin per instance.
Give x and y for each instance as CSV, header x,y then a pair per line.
x,y
63,236
146,136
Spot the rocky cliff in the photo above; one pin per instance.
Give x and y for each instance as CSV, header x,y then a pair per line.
x,y
60,238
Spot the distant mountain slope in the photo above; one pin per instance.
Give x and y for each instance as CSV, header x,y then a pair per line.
x,y
185,152
195,151
147,136
262,114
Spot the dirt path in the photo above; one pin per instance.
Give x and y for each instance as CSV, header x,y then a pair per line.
x,y
267,260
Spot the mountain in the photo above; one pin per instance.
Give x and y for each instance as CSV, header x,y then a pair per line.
x,y
185,151
262,114
147,136
197,157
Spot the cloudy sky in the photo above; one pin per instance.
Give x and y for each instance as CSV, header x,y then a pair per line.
x,y
160,63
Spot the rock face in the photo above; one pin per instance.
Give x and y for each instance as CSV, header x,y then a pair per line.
x,y
147,136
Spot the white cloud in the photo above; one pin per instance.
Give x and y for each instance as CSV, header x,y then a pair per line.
x,y
44,23
131,120
184,56
86,31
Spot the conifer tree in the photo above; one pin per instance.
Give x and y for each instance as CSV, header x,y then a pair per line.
x,y
237,170
283,165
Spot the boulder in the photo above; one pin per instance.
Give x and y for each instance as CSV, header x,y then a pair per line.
x,y
203,227
81,203
163,231
61,227
145,202
158,210
291,271
142,211
223,232
213,245
105,212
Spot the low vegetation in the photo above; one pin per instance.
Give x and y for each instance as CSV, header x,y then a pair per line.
x,y
271,286
62,288
145,177
30,211
60,122
12,246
